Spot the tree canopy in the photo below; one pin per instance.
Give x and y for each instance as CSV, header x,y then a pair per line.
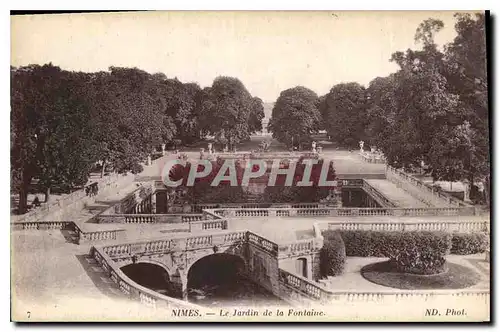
x,y
295,116
63,123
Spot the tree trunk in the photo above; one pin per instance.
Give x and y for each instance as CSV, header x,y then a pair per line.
x,y
23,200
471,185
23,195
103,168
487,190
47,195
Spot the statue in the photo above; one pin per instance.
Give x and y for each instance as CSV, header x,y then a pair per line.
x,y
202,153
163,149
313,146
361,145
210,151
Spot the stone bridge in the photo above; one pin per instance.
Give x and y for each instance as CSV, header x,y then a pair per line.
x,y
261,259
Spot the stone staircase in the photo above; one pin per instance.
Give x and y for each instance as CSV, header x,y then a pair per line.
x,y
397,195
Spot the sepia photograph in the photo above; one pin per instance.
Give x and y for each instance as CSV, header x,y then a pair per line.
x,y
250,166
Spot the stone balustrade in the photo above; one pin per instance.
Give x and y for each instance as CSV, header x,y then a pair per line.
x,y
262,243
421,190
57,208
208,225
300,290
461,226
148,218
199,208
267,155
41,225
174,244
82,235
300,247
343,212
373,158
134,291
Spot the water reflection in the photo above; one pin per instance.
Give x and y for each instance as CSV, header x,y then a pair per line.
x,y
239,292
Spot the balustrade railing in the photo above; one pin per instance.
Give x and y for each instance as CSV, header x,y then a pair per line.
x,y
374,158
41,225
296,287
148,218
210,224
262,243
423,191
74,199
134,291
174,244
199,208
300,247
81,235
343,212
448,226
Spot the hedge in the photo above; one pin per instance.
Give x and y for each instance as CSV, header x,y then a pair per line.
x,y
469,243
332,256
418,252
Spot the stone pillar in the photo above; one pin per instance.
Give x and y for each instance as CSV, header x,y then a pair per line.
x,y
149,162
163,149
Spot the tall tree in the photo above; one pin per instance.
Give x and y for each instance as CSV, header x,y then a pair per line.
x,y
256,115
50,119
344,114
295,116
226,111
465,59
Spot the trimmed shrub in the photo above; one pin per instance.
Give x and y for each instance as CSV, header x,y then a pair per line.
x,y
332,255
420,252
364,243
469,243
415,252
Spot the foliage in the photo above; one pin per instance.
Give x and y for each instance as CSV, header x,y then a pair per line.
x,y
64,123
332,255
419,252
295,116
256,115
229,112
435,108
469,243
344,114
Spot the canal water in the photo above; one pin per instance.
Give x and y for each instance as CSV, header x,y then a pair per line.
x,y
238,292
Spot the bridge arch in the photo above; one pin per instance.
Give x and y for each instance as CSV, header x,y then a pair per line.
x,y
152,275
215,269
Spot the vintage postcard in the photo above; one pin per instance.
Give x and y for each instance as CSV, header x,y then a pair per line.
x,y
250,166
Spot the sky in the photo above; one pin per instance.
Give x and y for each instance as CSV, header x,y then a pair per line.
x,y
268,51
